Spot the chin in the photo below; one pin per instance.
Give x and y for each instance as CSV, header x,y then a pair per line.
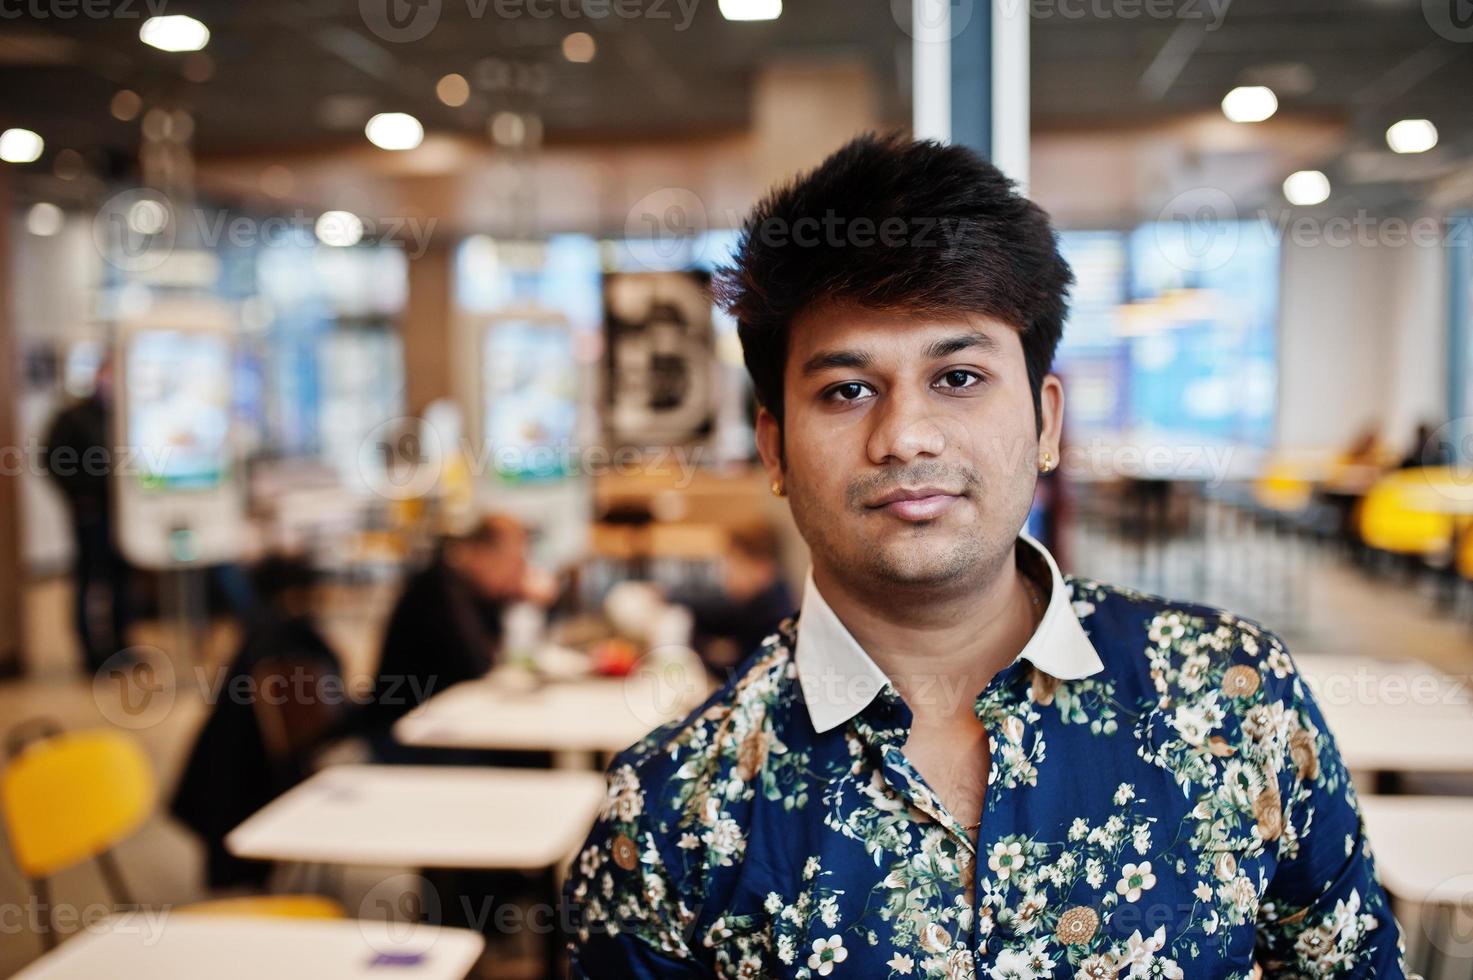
x,y
922,562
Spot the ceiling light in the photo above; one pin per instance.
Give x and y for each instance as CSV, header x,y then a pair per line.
x,y
751,9
339,229
20,146
69,164
1305,188
394,131
507,129
174,32
44,219
1412,136
125,105
1250,103
579,47
147,216
453,90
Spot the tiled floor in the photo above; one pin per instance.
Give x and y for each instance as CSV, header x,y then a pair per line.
x,y
1315,601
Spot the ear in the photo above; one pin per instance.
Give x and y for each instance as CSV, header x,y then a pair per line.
x,y
1051,408
770,445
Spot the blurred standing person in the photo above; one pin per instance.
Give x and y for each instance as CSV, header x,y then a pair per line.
x,y
79,460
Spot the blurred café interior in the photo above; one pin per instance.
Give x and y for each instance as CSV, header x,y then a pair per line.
x,y
428,479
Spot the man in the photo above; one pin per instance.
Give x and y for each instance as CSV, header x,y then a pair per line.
x,y
79,461
954,761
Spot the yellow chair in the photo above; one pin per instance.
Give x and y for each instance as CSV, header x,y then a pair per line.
x,y
277,906
1395,515
71,797
1283,487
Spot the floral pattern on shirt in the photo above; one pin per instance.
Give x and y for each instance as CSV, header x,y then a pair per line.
x,y
1181,813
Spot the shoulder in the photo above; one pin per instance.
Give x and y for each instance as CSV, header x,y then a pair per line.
x,y
673,813
1176,647
721,739
1212,685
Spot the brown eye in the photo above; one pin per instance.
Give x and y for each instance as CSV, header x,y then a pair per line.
x,y
848,391
961,379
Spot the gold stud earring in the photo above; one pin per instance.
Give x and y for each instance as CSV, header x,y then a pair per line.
x,y
1047,465
777,489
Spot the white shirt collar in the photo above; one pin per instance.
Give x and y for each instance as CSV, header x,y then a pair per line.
x,y
840,680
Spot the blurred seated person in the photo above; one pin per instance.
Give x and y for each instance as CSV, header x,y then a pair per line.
x,y
1426,449
281,696
446,626
754,600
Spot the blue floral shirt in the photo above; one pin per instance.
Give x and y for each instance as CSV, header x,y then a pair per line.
x,y
1172,807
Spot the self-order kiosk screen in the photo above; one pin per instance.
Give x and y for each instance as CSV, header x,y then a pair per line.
x,y
179,408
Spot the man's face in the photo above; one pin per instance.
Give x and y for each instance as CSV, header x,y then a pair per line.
x,y
910,448
495,571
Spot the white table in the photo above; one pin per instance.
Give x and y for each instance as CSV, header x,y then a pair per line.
x,y
180,946
1392,716
1424,855
426,817
1349,682
1423,845
430,817
599,714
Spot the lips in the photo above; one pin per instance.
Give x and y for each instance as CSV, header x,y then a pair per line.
x,y
919,504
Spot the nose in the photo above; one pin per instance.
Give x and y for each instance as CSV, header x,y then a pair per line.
x,y
905,428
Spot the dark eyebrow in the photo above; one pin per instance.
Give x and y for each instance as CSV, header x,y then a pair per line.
x,y
951,345
859,360
826,359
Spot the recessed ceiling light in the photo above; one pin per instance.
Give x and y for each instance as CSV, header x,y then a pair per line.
x,y
147,216
340,229
394,131
277,180
579,47
1412,136
1250,103
507,129
125,105
453,90
174,32
69,164
20,146
751,9
1305,188
44,219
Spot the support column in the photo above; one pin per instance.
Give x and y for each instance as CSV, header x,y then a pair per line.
x,y
427,330
12,571
970,78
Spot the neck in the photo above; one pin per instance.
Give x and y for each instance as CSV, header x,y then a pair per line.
x,y
939,648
